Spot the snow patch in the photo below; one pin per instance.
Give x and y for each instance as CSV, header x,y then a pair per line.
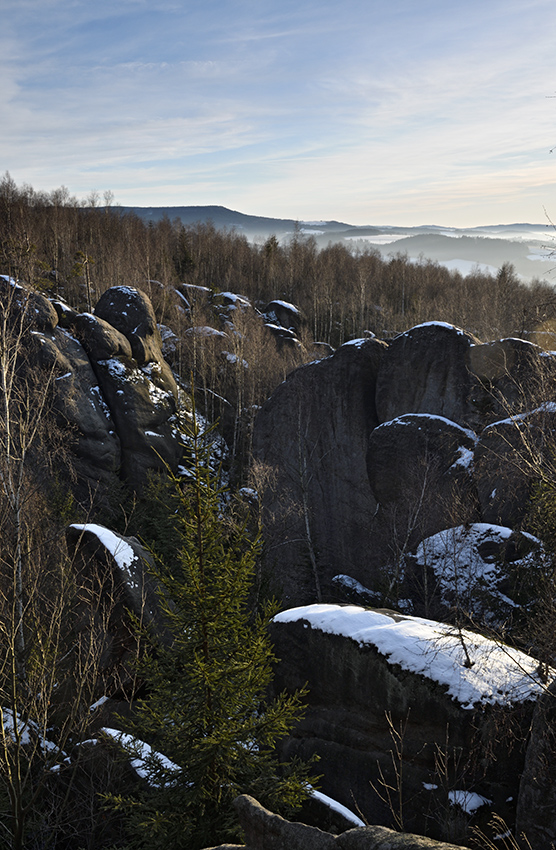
x,y
469,801
146,762
337,807
121,551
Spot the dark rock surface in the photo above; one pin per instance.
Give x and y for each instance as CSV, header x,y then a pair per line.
x,y
427,370
508,456
537,791
113,575
81,405
359,701
313,435
419,468
267,831
513,376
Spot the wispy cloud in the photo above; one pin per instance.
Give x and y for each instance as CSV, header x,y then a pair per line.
x,y
390,110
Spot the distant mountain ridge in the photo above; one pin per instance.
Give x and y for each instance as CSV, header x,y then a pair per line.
x,y
530,248
224,217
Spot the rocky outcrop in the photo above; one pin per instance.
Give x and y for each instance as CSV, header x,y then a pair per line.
x,y
382,683
537,792
284,314
82,410
419,468
113,392
457,432
312,436
508,457
513,376
114,577
427,371
266,831
483,570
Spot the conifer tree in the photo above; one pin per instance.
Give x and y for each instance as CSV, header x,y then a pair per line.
x,y
206,708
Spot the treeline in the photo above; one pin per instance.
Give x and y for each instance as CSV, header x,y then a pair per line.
x,y
79,249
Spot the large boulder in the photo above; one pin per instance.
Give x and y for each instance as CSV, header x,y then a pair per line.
x,y
380,684
536,806
312,436
116,590
485,572
144,412
25,308
264,830
510,455
130,311
513,376
427,370
420,472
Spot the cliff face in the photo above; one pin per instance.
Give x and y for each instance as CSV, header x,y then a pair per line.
x,y
380,446
313,435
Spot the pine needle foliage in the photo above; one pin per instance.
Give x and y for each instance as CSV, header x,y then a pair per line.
x,y
206,708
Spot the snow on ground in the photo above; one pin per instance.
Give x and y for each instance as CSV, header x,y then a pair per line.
x,y
498,675
469,801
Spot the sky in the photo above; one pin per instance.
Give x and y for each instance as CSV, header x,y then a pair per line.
x,y
363,111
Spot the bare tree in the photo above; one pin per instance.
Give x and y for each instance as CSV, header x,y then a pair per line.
x,y
48,669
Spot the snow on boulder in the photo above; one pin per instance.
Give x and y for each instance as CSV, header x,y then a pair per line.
x,y
479,568
146,762
369,672
231,301
283,314
112,574
473,669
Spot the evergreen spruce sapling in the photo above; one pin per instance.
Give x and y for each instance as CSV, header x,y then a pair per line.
x,y
206,708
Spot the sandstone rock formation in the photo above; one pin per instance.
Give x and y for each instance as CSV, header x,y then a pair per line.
x,y
455,434
482,571
313,435
112,390
537,793
419,468
113,575
266,831
381,683
427,371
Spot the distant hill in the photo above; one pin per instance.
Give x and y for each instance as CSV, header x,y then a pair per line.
x,y
529,247
221,217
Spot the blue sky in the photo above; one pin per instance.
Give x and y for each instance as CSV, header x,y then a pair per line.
x,y
365,111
